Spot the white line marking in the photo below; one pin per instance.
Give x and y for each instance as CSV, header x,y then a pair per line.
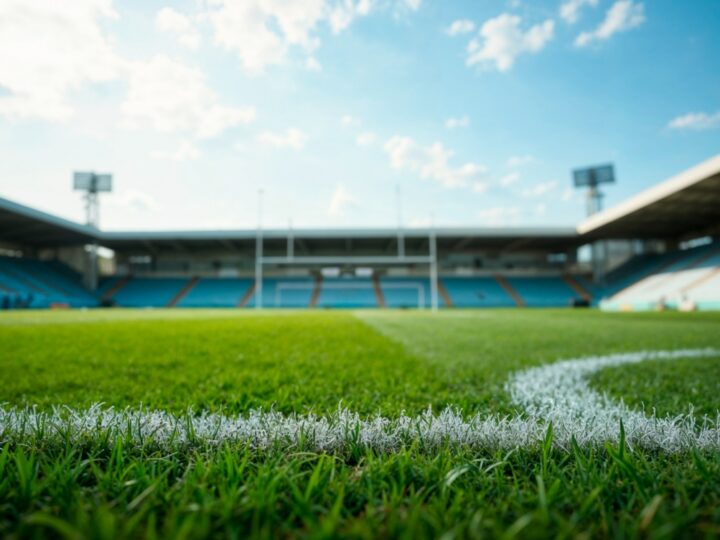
x,y
556,393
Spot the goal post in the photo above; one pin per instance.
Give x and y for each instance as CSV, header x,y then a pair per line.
x,y
318,261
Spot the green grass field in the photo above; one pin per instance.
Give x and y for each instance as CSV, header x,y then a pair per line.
x,y
371,362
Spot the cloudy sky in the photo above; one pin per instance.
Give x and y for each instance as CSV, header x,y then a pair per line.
x,y
474,111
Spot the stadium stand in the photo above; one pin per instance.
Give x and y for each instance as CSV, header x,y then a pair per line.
x,y
26,282
677,279
542,291
149,292
343,292
406,292
217,292
477,292
286,292
44,261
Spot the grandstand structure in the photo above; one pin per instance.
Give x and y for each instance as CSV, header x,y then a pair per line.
x,y
662,251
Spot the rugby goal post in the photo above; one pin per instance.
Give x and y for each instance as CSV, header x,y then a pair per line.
x,y
319,261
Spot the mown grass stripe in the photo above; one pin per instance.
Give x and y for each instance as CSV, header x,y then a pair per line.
x,y
560,410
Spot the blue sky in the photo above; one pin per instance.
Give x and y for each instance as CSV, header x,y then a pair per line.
x,y
476,111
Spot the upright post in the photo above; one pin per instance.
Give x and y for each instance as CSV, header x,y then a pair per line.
x,y
400,235
93,220
290,242
433,271
599,248
259,256
92,184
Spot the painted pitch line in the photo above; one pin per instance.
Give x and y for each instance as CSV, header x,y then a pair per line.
x,y
557,393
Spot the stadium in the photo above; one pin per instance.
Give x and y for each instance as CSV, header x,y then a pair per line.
x,y
494,311
264,397
657,250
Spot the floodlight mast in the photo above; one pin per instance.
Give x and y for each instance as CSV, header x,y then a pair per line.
x,y
433,266
259,254
92,184
592,178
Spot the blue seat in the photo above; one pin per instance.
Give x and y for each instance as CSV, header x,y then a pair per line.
x,y
347,293
476,292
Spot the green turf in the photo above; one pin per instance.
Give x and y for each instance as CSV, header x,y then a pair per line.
x,y
374,362
668,388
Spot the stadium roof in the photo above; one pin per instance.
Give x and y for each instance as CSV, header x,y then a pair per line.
x,y
685,205
26,226
338,240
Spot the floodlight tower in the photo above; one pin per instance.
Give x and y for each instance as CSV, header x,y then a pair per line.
x,y
92,184
592,178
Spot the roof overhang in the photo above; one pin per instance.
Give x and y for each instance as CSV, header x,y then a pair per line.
x,y
347,240
686,205
26,227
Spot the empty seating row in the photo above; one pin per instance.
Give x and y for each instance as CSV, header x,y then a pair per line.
x,y
347,293
341,292
686,278
33,283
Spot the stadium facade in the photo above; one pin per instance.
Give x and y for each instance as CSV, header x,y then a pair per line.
x,y
659,249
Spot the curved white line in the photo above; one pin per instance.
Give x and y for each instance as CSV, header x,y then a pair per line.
x,y
556,393
559,393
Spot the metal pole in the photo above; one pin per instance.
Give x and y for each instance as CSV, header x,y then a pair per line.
x,y
433,270
401,236
93,214
599,248
290,242
259,255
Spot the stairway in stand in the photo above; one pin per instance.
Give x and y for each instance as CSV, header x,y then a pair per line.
x,y
519,302
112,291
577,287
316,291
247,296
444,294
379,296
183,292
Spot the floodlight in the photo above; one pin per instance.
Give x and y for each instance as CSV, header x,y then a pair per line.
x,y
594,176
91,182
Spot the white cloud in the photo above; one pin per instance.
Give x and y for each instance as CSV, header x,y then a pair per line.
x,y
345,11
695,121
540,189
347,120
480,186
540,209
622,15
412,5
50,49
366,138
461,26
136,201
514,162
452,123
499,215
312,64
570,9
341,200
174,22
290,138
510,179
501,40
171,97
185,152
260,32
265,32
420,223
431,162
